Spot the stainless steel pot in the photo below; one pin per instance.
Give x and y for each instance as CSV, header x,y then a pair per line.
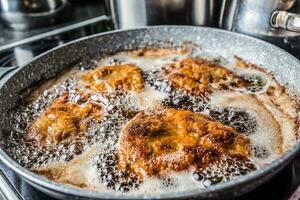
x,y
286,69
138,13
26,14
262,17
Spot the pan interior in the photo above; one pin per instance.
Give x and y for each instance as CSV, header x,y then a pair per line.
x,y
202,50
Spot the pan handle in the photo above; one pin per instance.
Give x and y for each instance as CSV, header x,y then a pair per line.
x,y
6,70
285,20
7,191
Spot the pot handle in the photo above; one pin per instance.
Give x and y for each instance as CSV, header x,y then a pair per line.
x,y
6,70
285,20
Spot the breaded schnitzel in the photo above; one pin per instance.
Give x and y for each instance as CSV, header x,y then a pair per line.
x,y
170,139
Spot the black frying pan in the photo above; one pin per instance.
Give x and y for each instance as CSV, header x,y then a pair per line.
x,y
217,42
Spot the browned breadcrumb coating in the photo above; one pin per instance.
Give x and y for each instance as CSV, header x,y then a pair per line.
x,y
63,121
170,139
106,78
200,76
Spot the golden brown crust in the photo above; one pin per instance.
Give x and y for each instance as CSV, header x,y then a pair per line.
x,y
104,78
63,121
156,53
171,139
200,76
242,64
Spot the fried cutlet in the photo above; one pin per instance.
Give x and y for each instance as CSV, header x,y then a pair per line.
x,y
200,76
63,121
119,77
170,139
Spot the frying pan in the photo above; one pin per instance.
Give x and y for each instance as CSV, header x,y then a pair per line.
x,y
213,41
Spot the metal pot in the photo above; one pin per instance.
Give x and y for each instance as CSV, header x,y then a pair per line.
x,y
26,14
138,13
261,17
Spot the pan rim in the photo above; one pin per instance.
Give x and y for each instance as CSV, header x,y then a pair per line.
x,y
273,167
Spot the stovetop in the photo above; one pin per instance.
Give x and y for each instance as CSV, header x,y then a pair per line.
x,y
77,10
88,17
